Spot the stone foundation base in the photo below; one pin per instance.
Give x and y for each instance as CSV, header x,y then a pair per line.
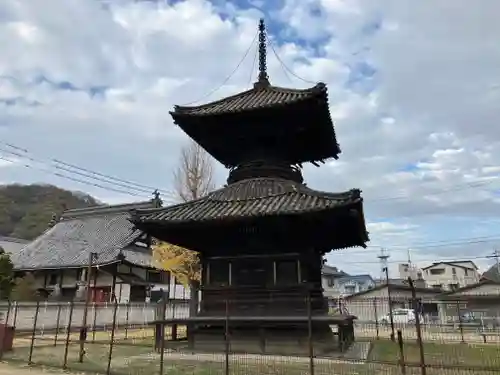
x,y
268,340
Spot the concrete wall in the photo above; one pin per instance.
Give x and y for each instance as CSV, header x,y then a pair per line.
x,y
22,314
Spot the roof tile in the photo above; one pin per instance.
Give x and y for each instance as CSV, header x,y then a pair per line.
x,y
105,230
257,97
249,198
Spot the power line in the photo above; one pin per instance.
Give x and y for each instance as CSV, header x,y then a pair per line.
x,y
74,179
434,260
68,168
210,93
459,187
431,245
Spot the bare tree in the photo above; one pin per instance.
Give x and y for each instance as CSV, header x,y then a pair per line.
x,y
193,177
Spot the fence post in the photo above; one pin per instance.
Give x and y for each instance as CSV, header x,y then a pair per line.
x,y
94,321
401,353
33,332
127,317
460,323
58,319
112,340
68,334
309,333
16,308
226,339
375,309
162,346
418,327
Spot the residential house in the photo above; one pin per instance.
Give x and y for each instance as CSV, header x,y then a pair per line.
x,y
408,270
482,299
373,304
351,284
122,270
451,275
328,276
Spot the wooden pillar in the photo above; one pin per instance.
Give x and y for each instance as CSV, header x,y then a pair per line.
x,y
113,284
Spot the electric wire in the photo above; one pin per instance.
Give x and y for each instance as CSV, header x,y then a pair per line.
x,y
84,172
210,93
74,179
433,260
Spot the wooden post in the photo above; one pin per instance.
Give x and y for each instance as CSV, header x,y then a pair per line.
x,y
83,328
401,352
418,327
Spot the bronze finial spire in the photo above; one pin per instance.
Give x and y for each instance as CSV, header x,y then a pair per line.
x,y
263,80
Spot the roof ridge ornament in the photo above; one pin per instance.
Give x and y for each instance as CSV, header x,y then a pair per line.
x,y
263,79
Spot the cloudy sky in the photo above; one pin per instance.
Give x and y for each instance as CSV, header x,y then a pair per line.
x,y
414,88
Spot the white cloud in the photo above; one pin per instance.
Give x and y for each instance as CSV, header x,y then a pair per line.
x,y
419,136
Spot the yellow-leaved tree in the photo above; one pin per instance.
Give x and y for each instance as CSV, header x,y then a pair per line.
x,y
193,179
179,261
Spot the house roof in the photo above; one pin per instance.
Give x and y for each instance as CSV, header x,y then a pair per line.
x,y
460,264
258,97
491,274
12,245
469,287
393,287
359,278
105,230
332,271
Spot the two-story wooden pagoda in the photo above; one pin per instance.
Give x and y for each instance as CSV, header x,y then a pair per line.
x,y
262,237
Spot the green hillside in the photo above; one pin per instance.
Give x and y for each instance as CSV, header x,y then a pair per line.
x,y
26,210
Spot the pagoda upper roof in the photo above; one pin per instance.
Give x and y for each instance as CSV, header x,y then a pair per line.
x,y
262,95
250,198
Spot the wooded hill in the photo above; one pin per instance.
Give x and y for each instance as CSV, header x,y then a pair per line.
x,y
26,210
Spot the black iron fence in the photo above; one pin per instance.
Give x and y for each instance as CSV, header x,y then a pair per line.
x,y
430,337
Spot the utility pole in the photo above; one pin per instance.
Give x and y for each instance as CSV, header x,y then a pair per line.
x,y
83,329
385,270
496,256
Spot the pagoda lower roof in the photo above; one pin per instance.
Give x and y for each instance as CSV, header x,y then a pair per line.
x,y
249,198
259,97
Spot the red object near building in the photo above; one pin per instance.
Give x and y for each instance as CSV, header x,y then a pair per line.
x,y
6,337
100,295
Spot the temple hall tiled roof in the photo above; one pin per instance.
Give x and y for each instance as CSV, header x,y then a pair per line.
x,y
250,198
257,97
105,230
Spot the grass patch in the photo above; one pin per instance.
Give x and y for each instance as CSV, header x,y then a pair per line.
x,y
452,355
141,360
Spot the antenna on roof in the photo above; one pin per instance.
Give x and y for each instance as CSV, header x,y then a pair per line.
x,y
263,79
